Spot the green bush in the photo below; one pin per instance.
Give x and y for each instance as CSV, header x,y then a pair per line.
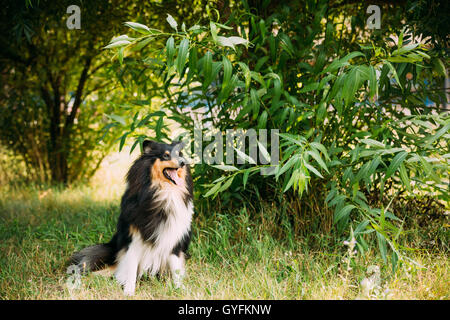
x,y
357,132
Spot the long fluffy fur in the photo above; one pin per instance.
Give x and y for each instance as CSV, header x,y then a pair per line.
x,y
154,227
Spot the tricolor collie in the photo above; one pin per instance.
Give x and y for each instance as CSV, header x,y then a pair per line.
x,y
154,227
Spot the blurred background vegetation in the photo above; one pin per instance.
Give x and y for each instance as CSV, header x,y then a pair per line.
x,y
363,112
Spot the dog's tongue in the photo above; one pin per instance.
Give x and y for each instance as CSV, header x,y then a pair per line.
x,y
174,176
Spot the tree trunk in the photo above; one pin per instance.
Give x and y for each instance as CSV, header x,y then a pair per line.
x,y
61,125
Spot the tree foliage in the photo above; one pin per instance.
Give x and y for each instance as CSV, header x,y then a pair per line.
x,y
58,84
359,111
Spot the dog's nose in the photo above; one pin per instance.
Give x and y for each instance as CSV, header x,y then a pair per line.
x,y
182,163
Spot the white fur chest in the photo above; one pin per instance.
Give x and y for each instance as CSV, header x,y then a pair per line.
x,y
169,233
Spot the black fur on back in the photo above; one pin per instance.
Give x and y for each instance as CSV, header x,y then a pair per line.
x,y
138,210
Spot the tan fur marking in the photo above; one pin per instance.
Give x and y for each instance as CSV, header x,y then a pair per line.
x,y
108,271
159,166
182,173
133,230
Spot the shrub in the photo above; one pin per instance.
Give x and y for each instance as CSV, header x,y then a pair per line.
x,y
356,126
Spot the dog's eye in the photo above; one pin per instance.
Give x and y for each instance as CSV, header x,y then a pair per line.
x,y
166,156
180,154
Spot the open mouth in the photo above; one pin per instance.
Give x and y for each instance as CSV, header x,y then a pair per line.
x,y
172,175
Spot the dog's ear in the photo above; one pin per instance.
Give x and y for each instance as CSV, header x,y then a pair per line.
x,y
148,146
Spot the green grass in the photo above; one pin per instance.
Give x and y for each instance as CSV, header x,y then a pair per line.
x,y
232,257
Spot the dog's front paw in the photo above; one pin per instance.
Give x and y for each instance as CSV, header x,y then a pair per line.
x,y
178,283
128,290
179,286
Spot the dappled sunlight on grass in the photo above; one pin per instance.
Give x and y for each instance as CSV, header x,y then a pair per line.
x,y
232,256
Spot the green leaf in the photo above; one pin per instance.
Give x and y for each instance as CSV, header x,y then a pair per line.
x,y
106,130
439,66
117,44
172,22
317,157
404,49
343,212
170,50
207,70
394,261
225,42
353,55
394,72
262,120
404,177
245,177
276,91
395,163
338,200
122,140
141,44
182,55
362,173
195,28
390,215
352,84
374,163
295,139
227,184
336,64
289,183
400,40
227,71
238,40
310,87
223,26
373,143
138,27
136,142
121,37
120,55
213,190
287,165
373,82
382,246
247,76
244,157
226,90
214,31
225,167
263,152
314,170
117,118
321,148
438,134
159,126
362,227
254,102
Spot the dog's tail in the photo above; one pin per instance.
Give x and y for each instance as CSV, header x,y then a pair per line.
x,y
94,257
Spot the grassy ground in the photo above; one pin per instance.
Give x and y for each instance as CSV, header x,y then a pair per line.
x,y
231,257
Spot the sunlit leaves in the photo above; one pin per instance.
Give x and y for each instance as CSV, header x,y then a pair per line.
x,y
182,55
138,27
172,22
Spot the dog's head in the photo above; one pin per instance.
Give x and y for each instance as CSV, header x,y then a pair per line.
x,y
169,165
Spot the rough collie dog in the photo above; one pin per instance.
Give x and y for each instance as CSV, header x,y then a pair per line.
x,y
154,227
